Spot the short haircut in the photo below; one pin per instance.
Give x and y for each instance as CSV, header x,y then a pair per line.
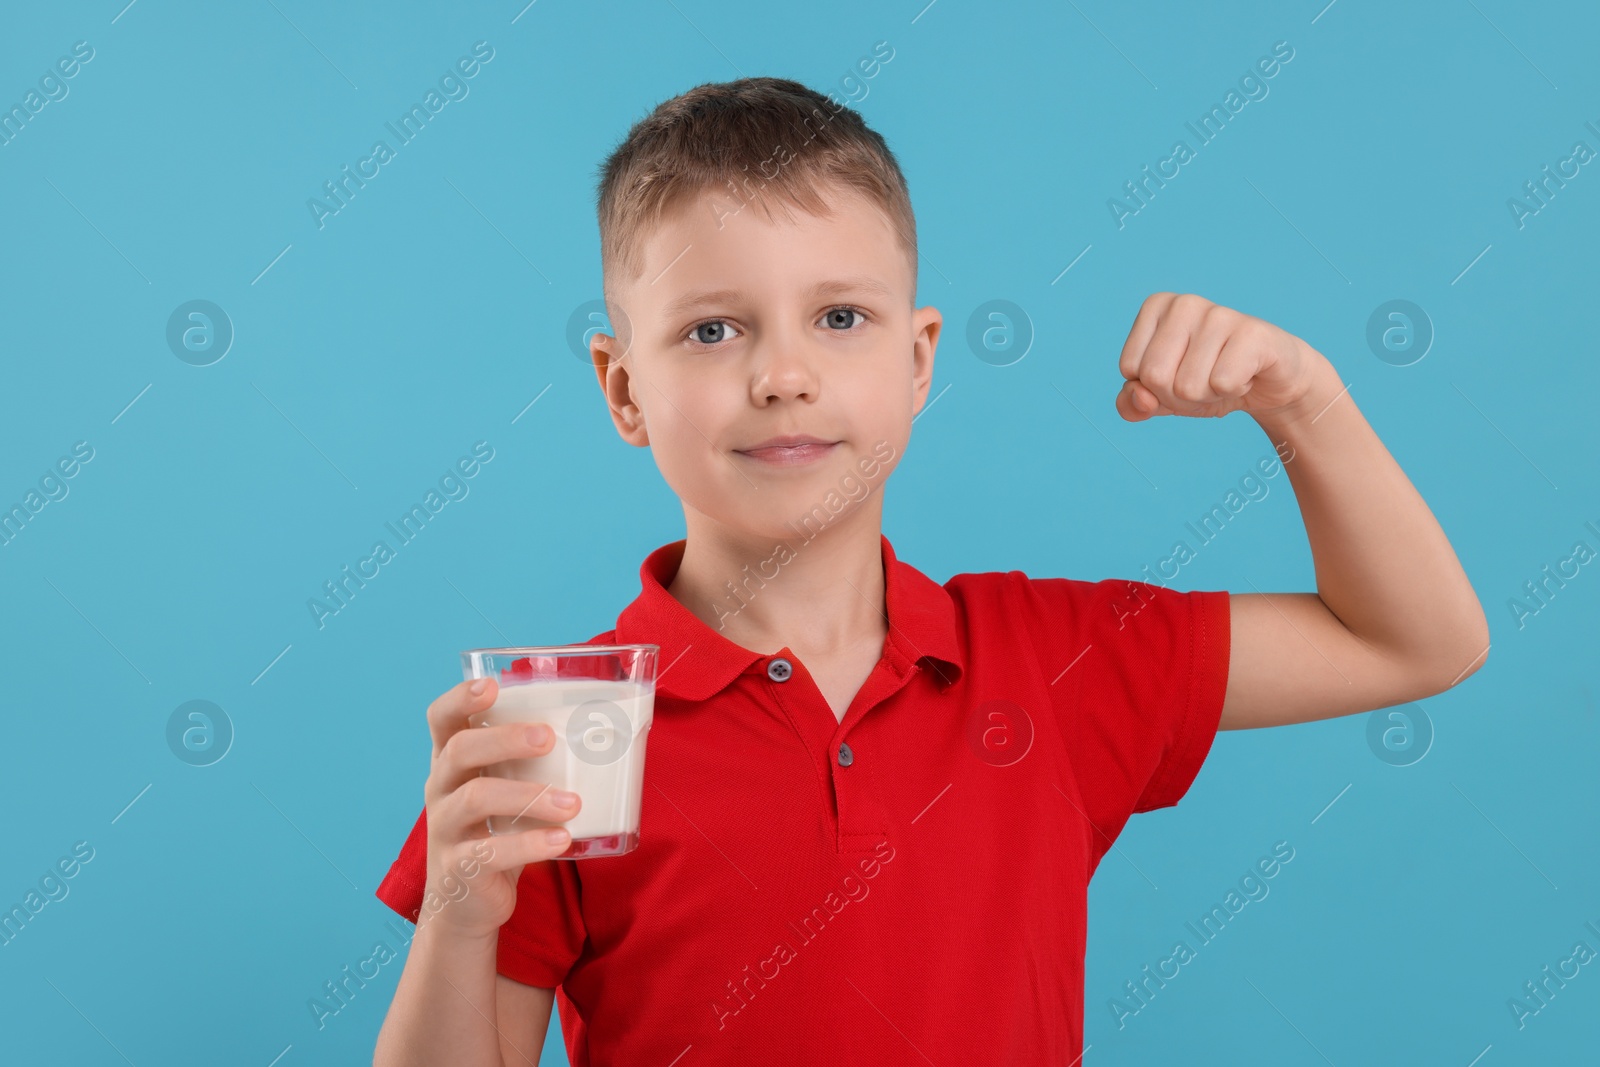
x,y
754,141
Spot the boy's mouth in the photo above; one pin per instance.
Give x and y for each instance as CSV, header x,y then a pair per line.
x,y
789,451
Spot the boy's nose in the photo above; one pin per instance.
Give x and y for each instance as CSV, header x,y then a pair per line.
x,y
784,371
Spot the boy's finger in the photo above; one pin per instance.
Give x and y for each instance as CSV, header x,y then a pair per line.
x,y
1139,334
468,752
1191,383
527,846
1235,370
479,799
1135,403
448,714
1165,353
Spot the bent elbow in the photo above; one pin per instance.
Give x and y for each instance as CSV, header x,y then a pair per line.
x,y
1469,658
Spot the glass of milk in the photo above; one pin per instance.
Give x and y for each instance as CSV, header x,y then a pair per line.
x,y
599,701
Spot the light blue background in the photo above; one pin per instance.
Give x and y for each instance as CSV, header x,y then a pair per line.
x,y
431,311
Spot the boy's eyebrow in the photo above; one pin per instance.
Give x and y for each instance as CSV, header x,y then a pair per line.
x,y
832,287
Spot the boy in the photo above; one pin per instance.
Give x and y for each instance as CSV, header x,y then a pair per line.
x,y
873,803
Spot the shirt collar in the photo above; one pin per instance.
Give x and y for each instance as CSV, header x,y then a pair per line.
x,y
697,662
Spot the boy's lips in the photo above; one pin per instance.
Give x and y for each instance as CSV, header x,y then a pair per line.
x,y
789,451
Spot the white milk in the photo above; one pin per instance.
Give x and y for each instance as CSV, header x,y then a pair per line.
x,y
610,785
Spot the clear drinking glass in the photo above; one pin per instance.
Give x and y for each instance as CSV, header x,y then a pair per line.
x,y
599,700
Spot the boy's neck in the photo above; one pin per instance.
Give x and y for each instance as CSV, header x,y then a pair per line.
x,y
826,599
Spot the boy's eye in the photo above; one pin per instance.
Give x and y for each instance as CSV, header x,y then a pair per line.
x,y
710,333
839,319
842,318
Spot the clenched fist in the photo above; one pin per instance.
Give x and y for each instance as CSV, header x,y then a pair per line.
x,y
1188,356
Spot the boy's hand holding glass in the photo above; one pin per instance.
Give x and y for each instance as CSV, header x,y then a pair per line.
x,y
472,878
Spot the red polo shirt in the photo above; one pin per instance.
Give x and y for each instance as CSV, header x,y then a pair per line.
x,y
905,886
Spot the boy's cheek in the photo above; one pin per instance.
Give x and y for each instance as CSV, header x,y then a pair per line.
x,y
870,465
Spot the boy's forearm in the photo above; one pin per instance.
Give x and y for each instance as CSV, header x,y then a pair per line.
x,y
1384,566
443,1010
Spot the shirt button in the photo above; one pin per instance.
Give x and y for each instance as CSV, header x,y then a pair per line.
x,y
846,757
779,670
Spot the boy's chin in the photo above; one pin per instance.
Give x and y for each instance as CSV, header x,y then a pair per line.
x,y
798,528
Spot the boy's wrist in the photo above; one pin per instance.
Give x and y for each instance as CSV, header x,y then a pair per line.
x,y
1323,386
434,927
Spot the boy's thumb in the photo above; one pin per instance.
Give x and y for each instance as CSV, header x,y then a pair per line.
x,y
1135,403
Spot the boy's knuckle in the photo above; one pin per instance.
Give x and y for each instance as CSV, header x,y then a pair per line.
x,y
1252,332
473,794
450,751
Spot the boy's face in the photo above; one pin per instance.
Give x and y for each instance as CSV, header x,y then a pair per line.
x,y
734,341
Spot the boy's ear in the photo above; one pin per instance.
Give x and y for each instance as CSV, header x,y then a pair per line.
x,y
925,325
613,369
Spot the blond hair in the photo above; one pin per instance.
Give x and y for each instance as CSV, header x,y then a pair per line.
x,y
766,141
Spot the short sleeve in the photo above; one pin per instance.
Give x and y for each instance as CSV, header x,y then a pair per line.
x,y
1143,670
545,934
